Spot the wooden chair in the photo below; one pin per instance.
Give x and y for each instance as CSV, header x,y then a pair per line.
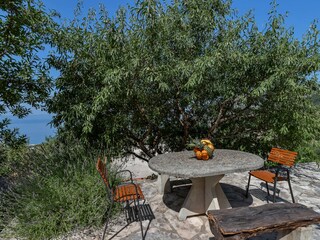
x,y
285,160
129,195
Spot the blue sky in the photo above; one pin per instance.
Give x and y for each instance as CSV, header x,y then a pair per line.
x,y
300,13
300,16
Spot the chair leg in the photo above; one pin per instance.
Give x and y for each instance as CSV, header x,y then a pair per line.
x,y
107,221
114,235
289,183
268,192
126,206
105,229
140,217
145,232
141,227
267,186
247,192
106,226
274,189
133,214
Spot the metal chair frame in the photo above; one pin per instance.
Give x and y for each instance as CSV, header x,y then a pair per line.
x,y
134,210
285,160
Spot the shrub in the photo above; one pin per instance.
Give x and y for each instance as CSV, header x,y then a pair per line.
x,y
58,192
310,151
10,159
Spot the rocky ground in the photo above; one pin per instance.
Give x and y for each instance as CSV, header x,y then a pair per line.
x,y
305,183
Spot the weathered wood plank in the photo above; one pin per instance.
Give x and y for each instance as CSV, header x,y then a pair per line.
x,y
249,221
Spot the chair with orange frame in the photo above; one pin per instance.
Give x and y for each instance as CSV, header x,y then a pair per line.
x,y
285,160
129,195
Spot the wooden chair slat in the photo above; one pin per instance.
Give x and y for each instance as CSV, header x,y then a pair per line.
x,y
264,175
128,192
282,156
102,170
123,195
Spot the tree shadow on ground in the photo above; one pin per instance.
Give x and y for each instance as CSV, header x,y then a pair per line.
x,y
262,194
236,196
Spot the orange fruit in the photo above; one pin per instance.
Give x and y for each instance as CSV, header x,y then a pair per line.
x,y
196,149
199,155
204,155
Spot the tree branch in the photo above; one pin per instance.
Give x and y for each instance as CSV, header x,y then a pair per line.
x,y
137,155
220,116
139,142
185,123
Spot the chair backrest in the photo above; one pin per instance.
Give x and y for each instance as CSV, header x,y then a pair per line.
x,y
284,157
101,167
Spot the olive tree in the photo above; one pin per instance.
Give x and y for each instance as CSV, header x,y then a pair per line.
x,y
157,75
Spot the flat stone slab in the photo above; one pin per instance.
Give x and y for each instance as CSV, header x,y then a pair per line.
x,y
184,164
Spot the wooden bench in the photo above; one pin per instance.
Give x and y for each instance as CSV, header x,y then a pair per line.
x,y
277,221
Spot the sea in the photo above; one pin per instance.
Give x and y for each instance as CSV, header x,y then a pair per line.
x,y
35,126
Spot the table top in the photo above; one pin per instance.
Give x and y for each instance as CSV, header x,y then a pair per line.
x,y
184,164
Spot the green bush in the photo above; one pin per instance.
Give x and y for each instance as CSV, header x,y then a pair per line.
x,y
310,152
59,191
10,159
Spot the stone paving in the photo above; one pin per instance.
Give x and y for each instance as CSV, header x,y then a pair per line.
x,y
305,183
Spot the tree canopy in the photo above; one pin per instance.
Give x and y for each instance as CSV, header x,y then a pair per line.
x,y
24,82
157,75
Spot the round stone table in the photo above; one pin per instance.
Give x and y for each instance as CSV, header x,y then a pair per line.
x,y
205,193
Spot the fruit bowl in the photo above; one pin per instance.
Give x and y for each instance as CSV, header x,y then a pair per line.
x,y
203,149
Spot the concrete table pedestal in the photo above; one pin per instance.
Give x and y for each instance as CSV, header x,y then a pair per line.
x,y
164,183
205,194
